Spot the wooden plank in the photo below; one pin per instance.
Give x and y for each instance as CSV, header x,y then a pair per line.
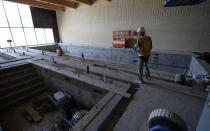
x,y
63,3
39,4
33,113
87,2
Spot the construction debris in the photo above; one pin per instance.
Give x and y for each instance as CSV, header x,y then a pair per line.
x,y
44,106
32,114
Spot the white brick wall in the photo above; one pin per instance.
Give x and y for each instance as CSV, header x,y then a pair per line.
x,y
184,28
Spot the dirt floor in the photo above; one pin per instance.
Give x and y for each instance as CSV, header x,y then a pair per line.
x,y
16,120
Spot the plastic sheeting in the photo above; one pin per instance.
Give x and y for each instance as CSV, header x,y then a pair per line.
x,y
170,3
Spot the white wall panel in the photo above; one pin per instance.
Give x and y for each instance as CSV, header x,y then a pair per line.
x,y
183,28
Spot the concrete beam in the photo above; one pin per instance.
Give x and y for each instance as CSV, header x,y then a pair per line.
x,y
88,118
82,78
124,77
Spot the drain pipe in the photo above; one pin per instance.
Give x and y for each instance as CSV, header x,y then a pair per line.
x,y
42,52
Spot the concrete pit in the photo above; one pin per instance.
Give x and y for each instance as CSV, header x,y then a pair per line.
x,y
108,91
86,96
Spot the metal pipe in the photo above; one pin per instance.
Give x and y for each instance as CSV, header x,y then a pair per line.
x,y
88,69
53,60
83,57
42,52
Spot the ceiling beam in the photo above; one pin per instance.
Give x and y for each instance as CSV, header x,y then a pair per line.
x,y
88,2
39,4
64,3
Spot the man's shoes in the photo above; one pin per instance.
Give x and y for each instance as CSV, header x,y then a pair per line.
x,y
139,81
148,77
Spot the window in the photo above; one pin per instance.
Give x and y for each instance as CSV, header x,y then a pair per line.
x,y
49,35
16,24
5,35
40,35
3,19
30,36
18,36
25,14
12,14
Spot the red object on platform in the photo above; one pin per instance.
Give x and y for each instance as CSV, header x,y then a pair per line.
x,y
59,48
120,38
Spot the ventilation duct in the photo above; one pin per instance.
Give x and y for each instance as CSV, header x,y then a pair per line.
x,y
170,3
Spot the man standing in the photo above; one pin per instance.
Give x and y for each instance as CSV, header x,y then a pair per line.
x,y
143,47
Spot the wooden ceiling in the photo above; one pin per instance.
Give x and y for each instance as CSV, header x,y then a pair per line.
x,y
53,4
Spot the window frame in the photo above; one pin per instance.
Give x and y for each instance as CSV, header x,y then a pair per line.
x,y
22,26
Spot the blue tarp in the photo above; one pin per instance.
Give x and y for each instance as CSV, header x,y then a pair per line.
x,y
159,128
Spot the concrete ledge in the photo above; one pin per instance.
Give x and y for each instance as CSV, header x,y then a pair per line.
x,y
171,62
203,124
198,67
83,78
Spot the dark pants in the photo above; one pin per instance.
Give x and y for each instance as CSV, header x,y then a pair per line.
x,y
143,60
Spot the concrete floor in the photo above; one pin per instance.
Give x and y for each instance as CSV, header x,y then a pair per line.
x,y
2,59
149,97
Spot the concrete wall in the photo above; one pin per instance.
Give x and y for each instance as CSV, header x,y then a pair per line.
x,y
203,124
170,62
84,94
184,28
50,48
198,67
